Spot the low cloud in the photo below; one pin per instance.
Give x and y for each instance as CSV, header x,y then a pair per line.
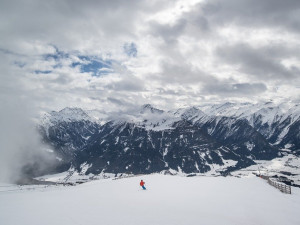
x,y
238,89
97,54
22,153
253,14
263,63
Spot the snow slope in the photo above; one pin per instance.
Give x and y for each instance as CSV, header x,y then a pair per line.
x,y
170,200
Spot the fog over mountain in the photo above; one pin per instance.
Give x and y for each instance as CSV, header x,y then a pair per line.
x,y
22,152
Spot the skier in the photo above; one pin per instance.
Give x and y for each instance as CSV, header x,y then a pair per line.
x,y
142,183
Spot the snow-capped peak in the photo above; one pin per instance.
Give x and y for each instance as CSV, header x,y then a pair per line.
x,y
73,113
147,108
192,113
64,115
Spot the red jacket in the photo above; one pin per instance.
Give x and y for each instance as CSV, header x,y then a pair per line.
x,y
142,183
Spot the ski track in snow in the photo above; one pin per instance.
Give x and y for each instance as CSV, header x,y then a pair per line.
x,y
168,200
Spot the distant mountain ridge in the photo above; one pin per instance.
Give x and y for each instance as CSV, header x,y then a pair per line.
x,y
215,138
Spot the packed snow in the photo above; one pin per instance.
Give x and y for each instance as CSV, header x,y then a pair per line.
x,y
168,200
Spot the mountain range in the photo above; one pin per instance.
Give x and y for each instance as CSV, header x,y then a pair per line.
x,y
215,138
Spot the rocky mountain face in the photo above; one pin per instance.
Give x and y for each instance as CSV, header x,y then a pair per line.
x,y
279,124
126,148
66,132
205,139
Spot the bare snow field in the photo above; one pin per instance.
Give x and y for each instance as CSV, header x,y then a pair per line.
x,y
168,200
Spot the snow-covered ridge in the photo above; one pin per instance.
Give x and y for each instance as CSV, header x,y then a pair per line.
x,y
261,114
269,111
211,134
147,108
64,115
153,118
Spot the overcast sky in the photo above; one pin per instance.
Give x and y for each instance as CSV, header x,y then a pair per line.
x,y
116,54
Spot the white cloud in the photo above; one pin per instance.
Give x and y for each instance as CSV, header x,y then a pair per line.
x,y
187,51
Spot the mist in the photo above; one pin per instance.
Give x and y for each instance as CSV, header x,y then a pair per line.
x,y
22,152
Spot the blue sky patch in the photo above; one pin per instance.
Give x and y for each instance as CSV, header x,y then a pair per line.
x,y
130,49
87,64
57,55
94,65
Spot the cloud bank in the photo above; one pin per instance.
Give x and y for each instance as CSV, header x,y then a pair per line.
x,y
112,55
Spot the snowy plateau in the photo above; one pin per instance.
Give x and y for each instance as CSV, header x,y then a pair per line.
x,y
168,200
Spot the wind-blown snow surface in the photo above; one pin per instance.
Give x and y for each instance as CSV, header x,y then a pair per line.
x,y
168,200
